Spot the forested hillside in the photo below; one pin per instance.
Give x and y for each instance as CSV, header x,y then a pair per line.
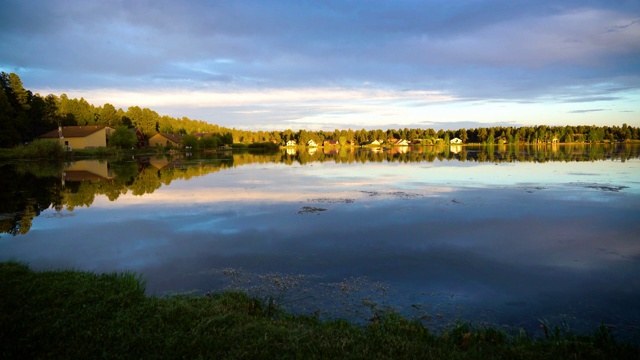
x,y
24,116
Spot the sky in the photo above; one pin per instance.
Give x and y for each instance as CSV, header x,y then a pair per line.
x,y
336,64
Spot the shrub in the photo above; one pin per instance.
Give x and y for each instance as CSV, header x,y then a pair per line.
x,y
41,149
123,138
209,142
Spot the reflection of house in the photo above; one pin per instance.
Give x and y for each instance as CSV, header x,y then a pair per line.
x,y
87,170
398,150
311,143
162,139
455,148
291,143
80,137
162,162
455,140
331,143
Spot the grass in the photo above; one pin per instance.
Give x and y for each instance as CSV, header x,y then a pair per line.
x,y
45,149
72,314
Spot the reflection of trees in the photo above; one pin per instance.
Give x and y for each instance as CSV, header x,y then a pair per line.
x,y
478,153
28,188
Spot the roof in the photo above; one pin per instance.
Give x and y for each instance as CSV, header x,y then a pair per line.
x,y
173,137
74,131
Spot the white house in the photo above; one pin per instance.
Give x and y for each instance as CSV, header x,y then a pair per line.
x,y
311,143
291,143
455,140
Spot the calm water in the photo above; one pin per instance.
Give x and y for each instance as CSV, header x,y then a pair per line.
x,y
513,236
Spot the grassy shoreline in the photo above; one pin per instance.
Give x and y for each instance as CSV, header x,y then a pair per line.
x,y
73,314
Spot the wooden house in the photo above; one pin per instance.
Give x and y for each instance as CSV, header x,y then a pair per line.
x,y
162,139
80,137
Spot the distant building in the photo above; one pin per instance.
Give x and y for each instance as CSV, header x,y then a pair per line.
x,y
142,140
171,140
455,140
80,137
371,143
311,143
331,143
291,143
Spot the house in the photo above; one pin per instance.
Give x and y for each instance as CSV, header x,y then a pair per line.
x,y
371,143
142,140
402,142
331,143
311,143
291,143
162,139
455,140
80,137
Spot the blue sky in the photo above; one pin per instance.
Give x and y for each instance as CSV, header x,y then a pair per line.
x,y
273,65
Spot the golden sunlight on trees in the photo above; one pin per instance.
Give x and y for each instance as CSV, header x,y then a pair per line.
x,y
24,116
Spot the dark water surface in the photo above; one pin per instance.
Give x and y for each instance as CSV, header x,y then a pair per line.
x,y
514,236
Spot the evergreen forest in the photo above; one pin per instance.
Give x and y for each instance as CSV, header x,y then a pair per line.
x,y
24,116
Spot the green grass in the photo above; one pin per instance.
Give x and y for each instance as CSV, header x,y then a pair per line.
x,y
79,315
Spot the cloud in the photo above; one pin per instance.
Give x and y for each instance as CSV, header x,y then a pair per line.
x,y
587,111
522,52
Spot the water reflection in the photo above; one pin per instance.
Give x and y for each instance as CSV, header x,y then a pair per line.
x,y
555,234
30,188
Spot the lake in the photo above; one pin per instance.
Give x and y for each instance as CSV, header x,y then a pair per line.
x,y
514,236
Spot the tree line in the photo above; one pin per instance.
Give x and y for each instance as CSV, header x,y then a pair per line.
x,y
24,116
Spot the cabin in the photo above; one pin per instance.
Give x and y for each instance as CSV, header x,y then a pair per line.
x,y
291,143
80,137
141,139
402,142
455,140
169,140
311,143
371,143
331,143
